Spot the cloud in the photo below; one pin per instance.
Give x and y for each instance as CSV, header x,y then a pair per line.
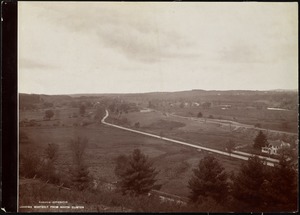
x,y
240,53
150,46
139,37
26,63
144,47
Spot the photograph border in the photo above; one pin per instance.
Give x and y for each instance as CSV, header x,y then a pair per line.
x,y
10,107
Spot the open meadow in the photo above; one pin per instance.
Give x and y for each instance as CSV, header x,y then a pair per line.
x,y
105,144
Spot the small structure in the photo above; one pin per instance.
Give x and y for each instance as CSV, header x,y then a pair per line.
x,y
97,104
195,104
146,110
225,107
274,146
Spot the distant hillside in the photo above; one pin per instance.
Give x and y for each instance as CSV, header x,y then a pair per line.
x,y
285,99
282,99
32,101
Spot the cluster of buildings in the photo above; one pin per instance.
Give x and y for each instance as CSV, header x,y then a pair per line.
x,y
274,146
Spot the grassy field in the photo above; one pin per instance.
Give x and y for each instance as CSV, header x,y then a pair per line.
x,y
39,193
213,135
174,162
270,119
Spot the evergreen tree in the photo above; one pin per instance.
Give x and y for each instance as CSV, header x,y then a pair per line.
x,y
209,181
248,185
139,175
260,140
199,115
282,189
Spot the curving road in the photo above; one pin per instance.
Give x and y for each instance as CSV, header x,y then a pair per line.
x,y
235,154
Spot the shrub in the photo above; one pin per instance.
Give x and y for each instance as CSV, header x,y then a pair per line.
x,y
124,121
257,125
49,173
137,125
51,152
80,177
49,114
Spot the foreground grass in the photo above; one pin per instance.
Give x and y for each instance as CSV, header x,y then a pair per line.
x,y
36,193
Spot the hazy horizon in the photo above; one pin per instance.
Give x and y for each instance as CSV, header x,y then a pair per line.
x,y
117,47
83,93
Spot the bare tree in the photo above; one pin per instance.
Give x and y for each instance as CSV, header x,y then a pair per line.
x,y
79,173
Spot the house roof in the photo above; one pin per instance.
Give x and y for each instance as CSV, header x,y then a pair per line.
x,y
277,143
274,142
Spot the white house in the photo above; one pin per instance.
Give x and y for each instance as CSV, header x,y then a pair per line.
x,y
274,146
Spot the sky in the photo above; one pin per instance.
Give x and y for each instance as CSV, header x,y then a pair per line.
x,y
117,47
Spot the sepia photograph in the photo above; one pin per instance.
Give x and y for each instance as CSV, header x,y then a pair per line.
x,y
157,107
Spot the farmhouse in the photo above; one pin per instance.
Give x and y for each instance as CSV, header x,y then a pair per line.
x,y
274,146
